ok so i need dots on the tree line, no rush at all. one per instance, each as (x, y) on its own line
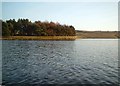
(24, 27)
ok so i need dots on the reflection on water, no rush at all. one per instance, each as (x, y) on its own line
(85, 61)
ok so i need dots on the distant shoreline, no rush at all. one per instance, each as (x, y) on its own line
(39, 38)
(79, 35)
(98, 34)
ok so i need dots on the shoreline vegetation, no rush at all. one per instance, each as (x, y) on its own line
(24, 29)
(79, 35)
(39, 38)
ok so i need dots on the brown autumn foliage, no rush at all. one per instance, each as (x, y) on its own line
(24, 27)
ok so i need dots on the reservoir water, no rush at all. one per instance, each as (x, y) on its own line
(83, 61)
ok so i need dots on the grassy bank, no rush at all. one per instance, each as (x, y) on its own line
(98, 34)
(39, 38)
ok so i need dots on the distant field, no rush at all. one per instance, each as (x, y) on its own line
(98, 34)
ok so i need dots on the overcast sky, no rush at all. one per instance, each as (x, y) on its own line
(82, 15)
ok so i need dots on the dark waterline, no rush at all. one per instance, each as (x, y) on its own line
(84, 61)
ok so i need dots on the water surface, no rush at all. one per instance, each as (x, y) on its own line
(84, 61)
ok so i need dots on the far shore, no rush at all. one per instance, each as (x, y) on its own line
(39, 38)
(98, 34)
(79, 35)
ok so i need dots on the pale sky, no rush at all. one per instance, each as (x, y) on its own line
(82, 15)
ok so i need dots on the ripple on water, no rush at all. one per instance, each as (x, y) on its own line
(68, 62)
